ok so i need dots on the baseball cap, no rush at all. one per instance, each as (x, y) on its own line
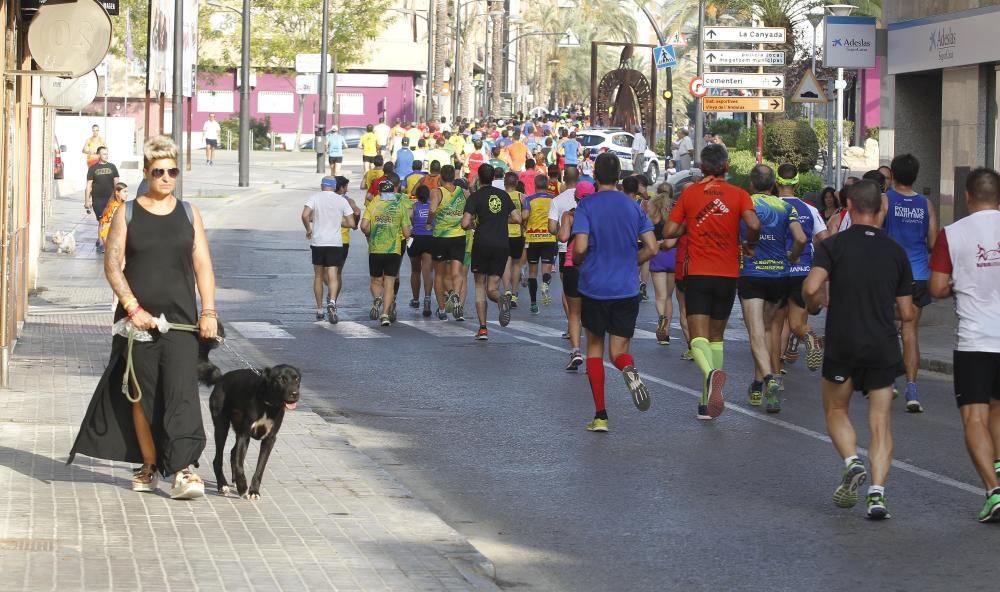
(386, 186)
(328, 183)
(583, 189)
(405, 142)
(333, 128)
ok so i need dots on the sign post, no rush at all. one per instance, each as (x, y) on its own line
(850, 43)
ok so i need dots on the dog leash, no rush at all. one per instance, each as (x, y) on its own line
(236, 354)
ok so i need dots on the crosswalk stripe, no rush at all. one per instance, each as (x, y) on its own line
(532, 329)
(643, 334)
(260, 330)
(352, 330)
(439, 328)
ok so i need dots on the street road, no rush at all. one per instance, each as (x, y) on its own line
(491, 436)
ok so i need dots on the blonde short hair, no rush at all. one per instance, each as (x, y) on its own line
(157, 148)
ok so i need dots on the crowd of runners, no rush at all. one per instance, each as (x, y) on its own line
(521, 203)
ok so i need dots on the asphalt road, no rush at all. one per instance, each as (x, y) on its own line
(491, 436)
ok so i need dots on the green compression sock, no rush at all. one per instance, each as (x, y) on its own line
(701, 351)
(718, 355)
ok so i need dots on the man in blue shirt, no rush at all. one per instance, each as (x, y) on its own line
(607, 228)
(912, 222)
(335, 145)
(571, 151)
(404, 160)
(763, 284)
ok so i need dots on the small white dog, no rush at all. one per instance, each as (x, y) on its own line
(65, 242)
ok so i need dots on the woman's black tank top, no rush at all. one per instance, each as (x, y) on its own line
(658, 229)
(159, 264)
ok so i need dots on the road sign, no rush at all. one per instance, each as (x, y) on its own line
(697, 87)
(743, 104)
(745, 35)
(733, 80)
(809, 90)
(569, 39)
(677, 40)
(309, 63)
(664, 57)
(724, 57)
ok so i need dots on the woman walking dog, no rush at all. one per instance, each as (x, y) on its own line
(161, 241)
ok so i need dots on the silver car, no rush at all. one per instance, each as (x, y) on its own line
(619, 142)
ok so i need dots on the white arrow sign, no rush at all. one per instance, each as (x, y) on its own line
(727, 80)
(745, 35)
(717, 57)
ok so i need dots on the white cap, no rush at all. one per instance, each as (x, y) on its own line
(333, 128)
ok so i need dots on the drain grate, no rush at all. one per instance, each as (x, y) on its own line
(25, 545)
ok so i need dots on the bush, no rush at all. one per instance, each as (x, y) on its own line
(740, 163)
(871, 133)
(819, 127)
(260, 129)
(729, 129)
(791, 141)
(747, 139)
(809, 182)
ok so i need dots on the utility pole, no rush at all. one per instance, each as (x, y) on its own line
(669, 119)
(176, 125)
(244, 180)
(699, 125)
(321, 124)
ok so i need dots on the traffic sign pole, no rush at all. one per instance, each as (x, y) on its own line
(699, 113)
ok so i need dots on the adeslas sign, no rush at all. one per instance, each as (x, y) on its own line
(943, 41)
(850, 42)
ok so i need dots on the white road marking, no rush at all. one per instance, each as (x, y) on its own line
(532, 328)
(259, 330)
(351, 330)
(439, 328)
(937, 478)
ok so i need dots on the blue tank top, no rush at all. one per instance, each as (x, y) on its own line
(770, 258)
(805, 218)
(420, 213)
(907, 220)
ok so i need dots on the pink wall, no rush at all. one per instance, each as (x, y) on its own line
(871, 93)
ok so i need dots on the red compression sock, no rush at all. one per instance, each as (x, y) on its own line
(624, 360)
(595, 374)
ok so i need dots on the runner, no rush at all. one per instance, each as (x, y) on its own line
(431, 180)
(91, 146)
(382, 132)
(210, 133)
(496, 162)
(563, 203)
(571, 275)
(445, 215)
(475, 160)
(515, 239)
(518, 153)
(609, 281)
(663, 265)
(709, 213)
(404, 159)
(386, 221)
(421, 250)
(372, 174)
(868, 272)
(541, 243)
(325, 215)
(490, 210)
(369, 148)
(388, 168)
(763, 285)
(911, 221)
(634, 187)
(974, 280)
(345, 233)
(335, 144)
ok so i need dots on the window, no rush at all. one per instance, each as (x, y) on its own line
(270, 101)
(350, 103)
(623, 140)
(215, 101)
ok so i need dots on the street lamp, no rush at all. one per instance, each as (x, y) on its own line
(244, 146)
(841, 84)
(814, 18)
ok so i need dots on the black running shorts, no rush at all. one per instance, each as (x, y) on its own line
(386, 264)
(420, 245)
(328, 256)
(616, 317)
(921, 296)
(571, 282)
(489, 260)
(544, 252)
(795, 290)
(773, 290)
(710, 295)
(449, 249)
(864, 379)
(977, 377)
(516, 247)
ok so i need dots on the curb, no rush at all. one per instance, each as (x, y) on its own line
(476, 568)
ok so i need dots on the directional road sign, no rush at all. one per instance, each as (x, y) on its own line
(724, 57)
(697, 87)
(665, 57)
(745, 35)
(733, 80)
(754, 104)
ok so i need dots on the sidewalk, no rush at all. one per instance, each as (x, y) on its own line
(330, 518)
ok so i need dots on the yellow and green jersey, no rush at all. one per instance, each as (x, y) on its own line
(515, 230)
(448, 217)
(536, 229)
(387, 219)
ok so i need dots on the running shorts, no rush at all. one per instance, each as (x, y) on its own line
(420, 245)
(571, 282)
(795, 290)
(449, 249)
(664, 262)
(921, 297)
(212, 143)
(328, 256)
(516, 247)
(616, 317)
(773, 290)
(544, 252)
(710, 295)
(562, 261)
(370, 159)
(977, 377)
(335, 159)
(347, 249)
(384, 264)
(864, 379)
(489, 260)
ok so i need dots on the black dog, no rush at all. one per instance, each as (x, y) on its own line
(254, 404)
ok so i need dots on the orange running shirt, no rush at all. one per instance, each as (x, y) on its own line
(712, 210)
(518, 153)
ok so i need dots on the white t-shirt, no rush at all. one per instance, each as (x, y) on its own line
(382, 132)
(562, 203)
(972, 248)
(639, 144)
(328, 211)
(684, 147)
(211, 130)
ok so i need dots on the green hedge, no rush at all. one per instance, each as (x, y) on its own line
(871, 133)
(791, 141)
(808, 182)
(740, 164)
(260, 129)
(729, 129)
(819, 126)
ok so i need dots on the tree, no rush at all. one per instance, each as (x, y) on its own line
(442, 49)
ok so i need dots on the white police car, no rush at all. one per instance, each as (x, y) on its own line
(619, 142)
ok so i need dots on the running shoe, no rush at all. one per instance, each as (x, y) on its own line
(505, 310)
(319, 315)
(996, 467)
(703, 413)
(991, 511)
(814, 352)
(876, 507)
(846, 494)
(780, 379)
(442, 314)
(376, 309)
(715, 383)
(513, 300)
(524, 276)
(546, 297)
(392, 312)
(449, 302)
(482, 334)
(597, 425)
(534, 308)
(755, 393)
(791, 354)
(427, 307)
(912, 404)
(331, 313)
(687, 356)
(415, 303)
(638, 390)
(773, 397)
(385, 321)
(662, 331)
(458, 313)
(565, 335)
(575, 361)
(642, 291)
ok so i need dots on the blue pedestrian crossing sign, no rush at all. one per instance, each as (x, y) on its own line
(664, 57)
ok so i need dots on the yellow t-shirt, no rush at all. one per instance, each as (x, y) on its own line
(414, 134)
(370, 177)
(458, 142)
(537, 228)
(369, 144)
(515, 230)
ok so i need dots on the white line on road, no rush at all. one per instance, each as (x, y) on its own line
(440, 329)
(532, 329)
(943, 480)
(259, 330)
(351, 330)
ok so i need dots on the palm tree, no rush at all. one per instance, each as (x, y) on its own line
(442, 49)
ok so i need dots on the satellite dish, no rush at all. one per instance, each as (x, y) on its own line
(70, 37)
(69, 93)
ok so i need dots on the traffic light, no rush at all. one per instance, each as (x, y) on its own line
(667, 95)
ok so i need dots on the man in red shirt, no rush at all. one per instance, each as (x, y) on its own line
(475, 160)
(709, 213)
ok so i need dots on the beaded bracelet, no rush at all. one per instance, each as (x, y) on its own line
(209, 314)
(134, 311)
(129, 302)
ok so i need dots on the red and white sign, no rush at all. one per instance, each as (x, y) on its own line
(697, 87)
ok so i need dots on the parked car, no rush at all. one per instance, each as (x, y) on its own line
(619, 142)
(57, 158)
(351, 134)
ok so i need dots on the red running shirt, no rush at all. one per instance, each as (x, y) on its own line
(712, 210)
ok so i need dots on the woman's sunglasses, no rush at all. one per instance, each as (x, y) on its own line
(157, 173)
